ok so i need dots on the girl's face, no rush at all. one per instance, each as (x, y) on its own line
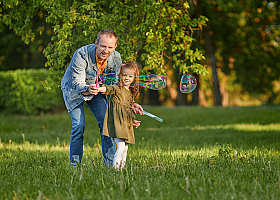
(128, 76)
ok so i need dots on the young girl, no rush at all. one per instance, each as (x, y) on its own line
(120, 119)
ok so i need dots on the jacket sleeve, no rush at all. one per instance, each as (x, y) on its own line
(112, 89)
(78, 64)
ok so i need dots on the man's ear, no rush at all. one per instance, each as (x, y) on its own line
(96, 43)
(116, 46)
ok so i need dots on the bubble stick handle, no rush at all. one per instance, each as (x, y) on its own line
(153, 116)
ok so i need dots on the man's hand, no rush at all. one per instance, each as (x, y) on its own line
(137, 109)
(92, 89)
(136, 123)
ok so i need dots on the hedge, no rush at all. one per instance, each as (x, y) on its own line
(31, 91)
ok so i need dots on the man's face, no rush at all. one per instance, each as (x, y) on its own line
(105, 47)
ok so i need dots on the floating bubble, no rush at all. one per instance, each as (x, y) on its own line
(151, 81)
(109, 79)
(155, 85)
(188, 83)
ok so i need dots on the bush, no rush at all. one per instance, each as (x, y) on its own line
(29, 91)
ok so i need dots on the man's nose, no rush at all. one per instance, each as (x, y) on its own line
(106, 49)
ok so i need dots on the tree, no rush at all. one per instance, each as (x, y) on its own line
(15, 54)
(245, 36)
(158, 30)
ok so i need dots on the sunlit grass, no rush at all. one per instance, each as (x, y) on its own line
(239, 127)
(199, 153)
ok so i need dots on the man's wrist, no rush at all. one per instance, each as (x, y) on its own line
(88, 89)
(87, 92)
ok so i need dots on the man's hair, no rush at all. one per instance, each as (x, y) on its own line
(107, 32)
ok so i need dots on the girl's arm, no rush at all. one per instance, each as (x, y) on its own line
(108, 90)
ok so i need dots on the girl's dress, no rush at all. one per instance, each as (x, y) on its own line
(119, 114)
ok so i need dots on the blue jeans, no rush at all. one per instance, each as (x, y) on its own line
(97, 106)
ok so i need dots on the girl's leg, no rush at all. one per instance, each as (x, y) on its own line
(119, 153)
(124, 156)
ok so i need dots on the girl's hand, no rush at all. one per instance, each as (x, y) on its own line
(102, 89)
(136, 123)
(137, 109)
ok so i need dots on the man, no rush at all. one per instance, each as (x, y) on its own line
(77, 86)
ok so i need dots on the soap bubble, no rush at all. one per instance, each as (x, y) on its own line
(151, 81)
(188, 83)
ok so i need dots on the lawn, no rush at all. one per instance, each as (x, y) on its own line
(195, 153)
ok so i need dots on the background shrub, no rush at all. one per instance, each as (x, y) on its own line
(29, 91)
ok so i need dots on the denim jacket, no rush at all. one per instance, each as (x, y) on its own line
(82, 72)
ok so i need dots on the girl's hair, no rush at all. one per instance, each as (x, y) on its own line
(132, 66)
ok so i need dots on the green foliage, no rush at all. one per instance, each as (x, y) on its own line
(29, 91)
(188, 156)
(170, 39)
(148, 30)
(27, 24)
(15, 54)
(246, 36)
(22, 20)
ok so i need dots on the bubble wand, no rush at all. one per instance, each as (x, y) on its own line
(151, 115)
(96, 85)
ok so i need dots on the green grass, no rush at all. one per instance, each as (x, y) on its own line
(196, 153)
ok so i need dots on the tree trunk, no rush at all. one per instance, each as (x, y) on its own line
(153, 97)
(181, 99)
(201, 99)
(211, 52)
(224, 92)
